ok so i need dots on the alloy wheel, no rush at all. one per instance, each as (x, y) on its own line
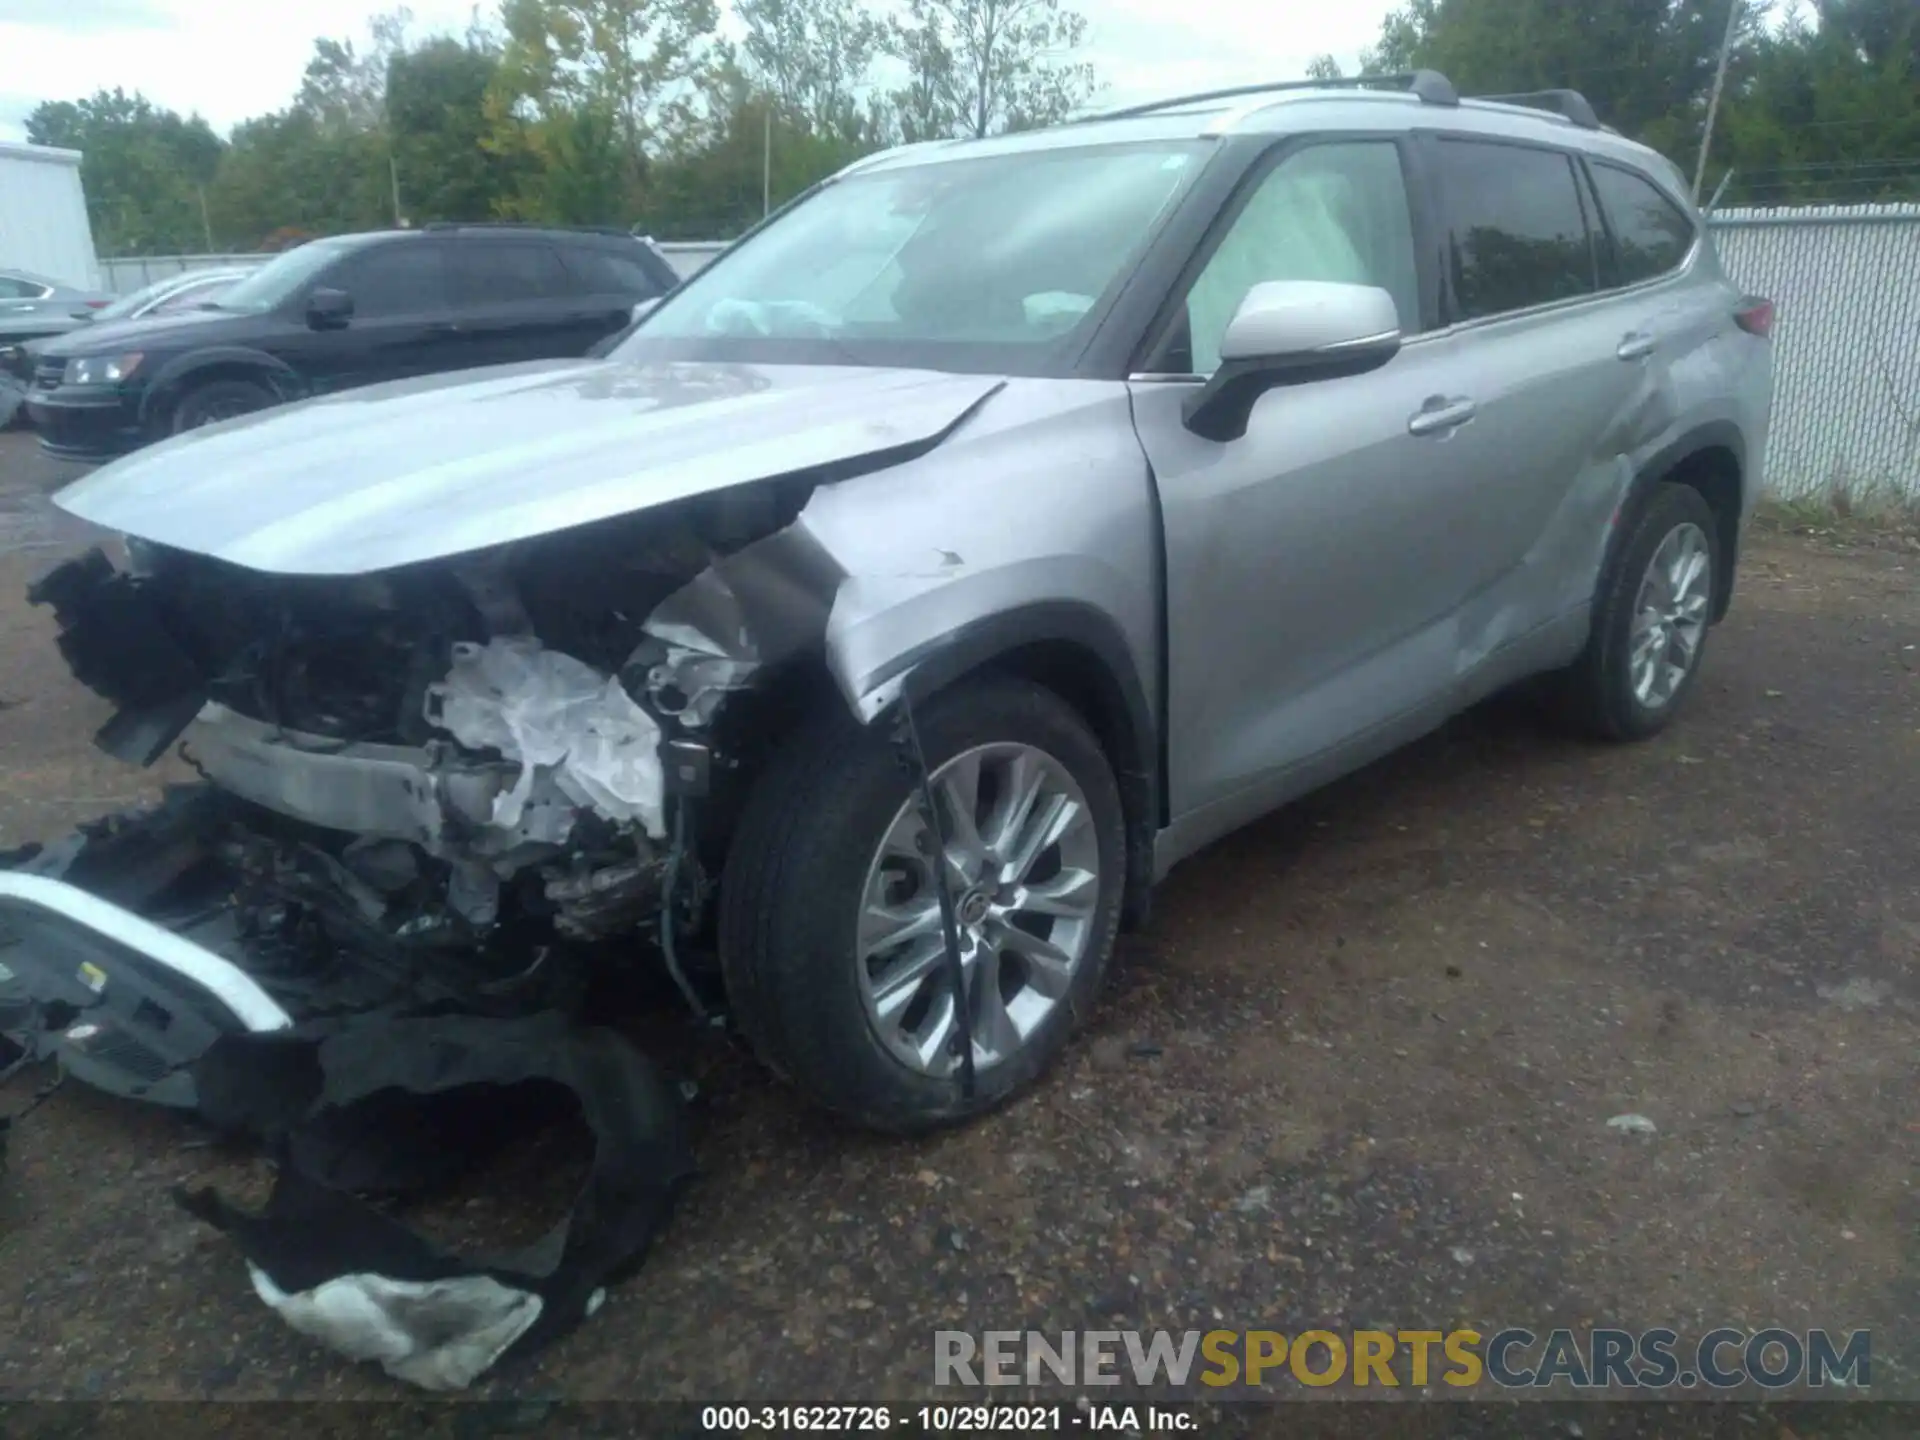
(1670, 615)
(1022, 863)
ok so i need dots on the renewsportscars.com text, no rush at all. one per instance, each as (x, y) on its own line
(1514, 1359)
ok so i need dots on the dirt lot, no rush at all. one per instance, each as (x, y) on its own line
(1358, 1070)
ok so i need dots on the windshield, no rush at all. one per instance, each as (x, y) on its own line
(283, 277)
(994, 262)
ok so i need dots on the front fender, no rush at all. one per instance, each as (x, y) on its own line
(177, 374)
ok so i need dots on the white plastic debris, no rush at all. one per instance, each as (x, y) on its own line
(438, 1334)
(557, 716)
(1632, 1125)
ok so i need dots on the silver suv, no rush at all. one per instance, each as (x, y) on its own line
(985, 533)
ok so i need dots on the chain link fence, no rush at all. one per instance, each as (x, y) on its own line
(1846, 400)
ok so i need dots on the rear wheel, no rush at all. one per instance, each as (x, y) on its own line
(218, 400)
(1651, 615)
(830, 932)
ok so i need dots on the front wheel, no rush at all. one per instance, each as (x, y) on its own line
(1651, 614)
(219, 400)
(830, 935)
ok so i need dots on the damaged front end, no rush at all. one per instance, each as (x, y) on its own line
(443, 811)
(420, 768)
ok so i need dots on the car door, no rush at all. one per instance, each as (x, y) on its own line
(1309, 590)
(1542, 353)
(402, 323)
(517, 301)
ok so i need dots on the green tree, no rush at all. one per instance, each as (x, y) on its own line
(291, 170)
(144, 169)
(1323, 67)
(711, 184)
(814, 58)
(590, 85)
(980, 67)
(1831, 112)
(438, 126)
(1646, 65)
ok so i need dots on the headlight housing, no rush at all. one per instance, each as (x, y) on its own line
(101, 369)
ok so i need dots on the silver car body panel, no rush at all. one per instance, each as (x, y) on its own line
(49, 314)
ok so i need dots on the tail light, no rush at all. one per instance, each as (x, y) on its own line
(1755, 316)
(98, 304)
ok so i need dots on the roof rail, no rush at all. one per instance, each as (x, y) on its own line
(1570, 103)
(444, 225)
(1429, 85)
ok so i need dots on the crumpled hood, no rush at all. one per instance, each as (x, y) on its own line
(415, 470)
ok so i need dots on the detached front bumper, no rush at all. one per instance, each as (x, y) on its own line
(123, 1003)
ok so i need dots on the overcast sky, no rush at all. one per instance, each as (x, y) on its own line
(230, 59)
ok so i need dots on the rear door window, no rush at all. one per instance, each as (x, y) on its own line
(607, 272)
(1651, 234)
(496, 273)
(1518, 234)
(404, 278)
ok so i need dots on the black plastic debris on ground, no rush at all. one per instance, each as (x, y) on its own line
(329, 1098)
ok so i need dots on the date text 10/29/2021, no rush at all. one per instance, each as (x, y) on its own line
(941, 1419)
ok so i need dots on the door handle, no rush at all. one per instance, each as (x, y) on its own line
(1439, 415)
(1637, 346)
(445, 327)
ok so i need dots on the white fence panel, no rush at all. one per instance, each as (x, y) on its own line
(1846, 399)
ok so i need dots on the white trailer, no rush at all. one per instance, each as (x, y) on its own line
(43, 215)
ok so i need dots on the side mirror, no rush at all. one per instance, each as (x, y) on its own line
(643, 309)
(1291, 332)
(329, 309)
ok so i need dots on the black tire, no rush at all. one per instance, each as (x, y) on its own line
(1595, 695)
(217, 400)
(791, 893)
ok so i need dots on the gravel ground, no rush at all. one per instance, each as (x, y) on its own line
(1357, 1071)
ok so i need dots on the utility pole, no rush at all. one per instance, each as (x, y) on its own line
(1713, 100)
(1718, 191)
(393, 178)
(766, 162)
(206, 225)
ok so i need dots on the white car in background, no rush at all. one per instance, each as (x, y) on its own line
(172, 296)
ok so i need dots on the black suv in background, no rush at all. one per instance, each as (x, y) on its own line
(336, 313)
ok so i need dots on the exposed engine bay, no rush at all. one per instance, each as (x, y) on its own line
(443, 810)
(441, 758)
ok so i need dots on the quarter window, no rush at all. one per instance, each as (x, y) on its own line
(605, 273)
(1651, 234)
(1518, 233)
(1329, 212)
